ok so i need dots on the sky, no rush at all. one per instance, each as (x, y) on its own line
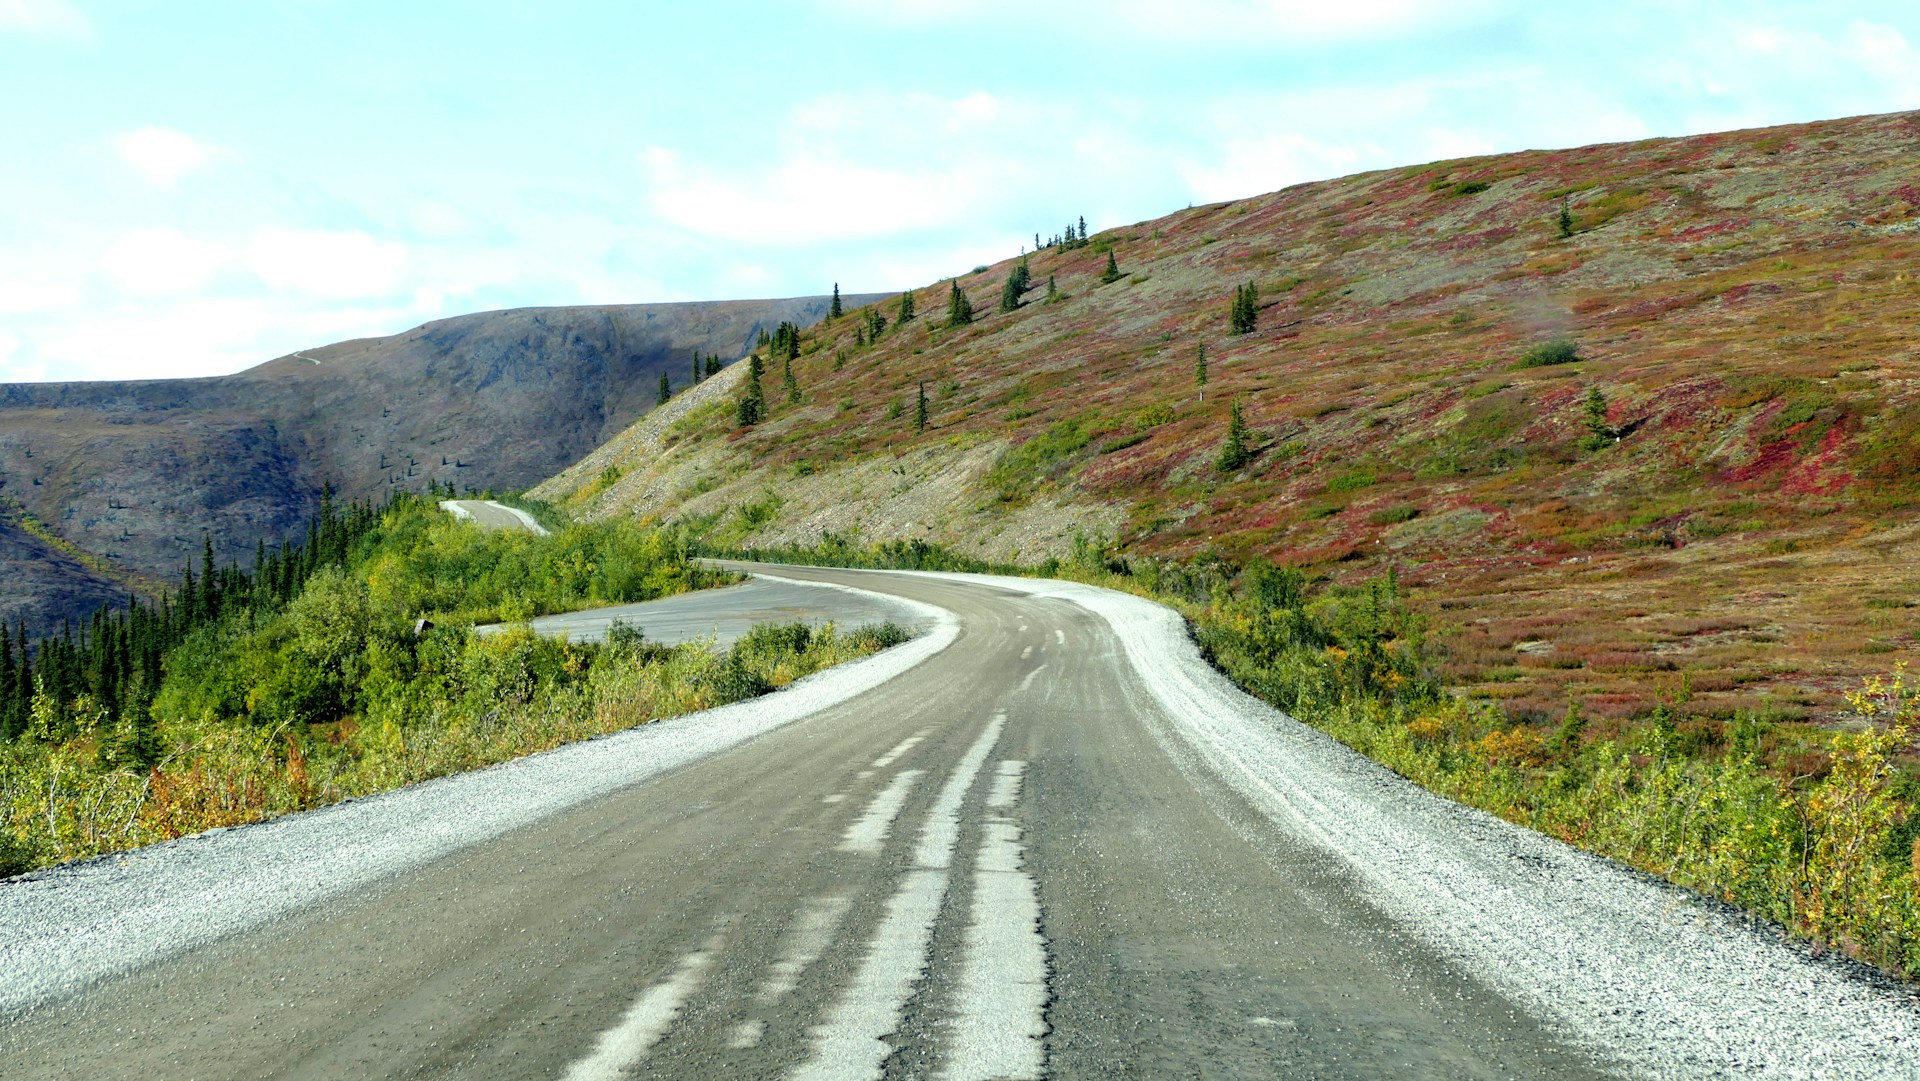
(190, 187)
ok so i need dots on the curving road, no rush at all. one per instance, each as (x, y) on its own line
(491, 515)
(1041, 841)
(725, 614)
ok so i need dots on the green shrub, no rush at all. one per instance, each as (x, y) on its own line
(1557, 351)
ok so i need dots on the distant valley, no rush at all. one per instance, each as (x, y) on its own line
(108, 487)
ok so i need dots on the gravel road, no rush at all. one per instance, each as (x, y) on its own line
(491, 515)
(1044, 839)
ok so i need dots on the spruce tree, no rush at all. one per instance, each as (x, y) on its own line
(1112, 273)
(1234, 452)
(1083, 228)
(920, 410)
(906, 308)
(1053, 291)
(1010, 294)
(751, 409)
(696, 368)
(959, 309)
(833, 309)
(1600, 434)
(1200, 370)
(1244, 315)
(787, 380)
(209, 581)
(1566, 217)
(713, 365)
(666, 389)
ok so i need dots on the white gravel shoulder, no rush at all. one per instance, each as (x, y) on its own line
(1638, 971)
(68, 926)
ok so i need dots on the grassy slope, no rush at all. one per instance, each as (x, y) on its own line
(1743, 300)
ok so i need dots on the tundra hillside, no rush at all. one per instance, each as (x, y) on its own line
(1632, 429)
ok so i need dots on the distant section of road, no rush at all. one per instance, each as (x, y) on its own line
(490, 515)
(726, 614)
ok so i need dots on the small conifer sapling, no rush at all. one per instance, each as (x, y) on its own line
(1234, 452)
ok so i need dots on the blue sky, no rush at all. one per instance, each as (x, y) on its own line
(189, 188)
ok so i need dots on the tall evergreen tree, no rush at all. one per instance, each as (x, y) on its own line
(713, 365)
(751, 409)
(920, 410)
(1566, 217)
(1112, 273)
(833, 309)
(786, 379)
(1244, 315)
(959, 309)
(905, 315)
(1200, 370)
(1083, 228)
(696, 368)
(1234, 452)
(666, 390)
(1600, 434)
(1053, 291)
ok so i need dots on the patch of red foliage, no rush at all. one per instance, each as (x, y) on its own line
(1813, 474)
(1752, 289)
(1482, 239)
(1712, 229)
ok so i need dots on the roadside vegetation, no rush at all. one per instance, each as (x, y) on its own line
(1820, 834)
(249, 694)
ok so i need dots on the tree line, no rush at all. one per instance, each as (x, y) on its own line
(115, 661)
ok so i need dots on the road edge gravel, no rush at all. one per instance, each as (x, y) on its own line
(66, 927)
(1658, 979)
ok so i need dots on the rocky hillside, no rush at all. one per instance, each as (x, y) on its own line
(134, 472)
(1637, 422)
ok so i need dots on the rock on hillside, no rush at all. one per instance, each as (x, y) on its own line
(1740, 509)
(136, 471)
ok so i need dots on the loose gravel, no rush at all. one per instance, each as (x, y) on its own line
(1633, 969)
(69, 926)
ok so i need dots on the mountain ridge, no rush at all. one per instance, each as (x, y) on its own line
(135, 471)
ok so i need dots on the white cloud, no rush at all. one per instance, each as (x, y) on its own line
(203, 337)
(804, 199)
(20, 297)
(44, 18)
(154, 261)
(339, 265)
(838, 176)
(161, 155)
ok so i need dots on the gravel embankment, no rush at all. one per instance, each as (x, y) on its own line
(65, 927)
